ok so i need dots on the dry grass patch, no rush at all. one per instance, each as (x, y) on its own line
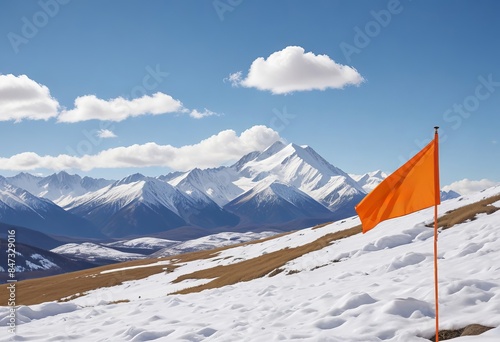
(258, 267)
(470, 330)
(467, 213)
(119, 301)
(321, 225)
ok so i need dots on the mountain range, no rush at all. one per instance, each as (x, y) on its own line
(284, 187)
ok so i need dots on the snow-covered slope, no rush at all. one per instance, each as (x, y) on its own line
(210, 242)
(367, 287)
(92, 252)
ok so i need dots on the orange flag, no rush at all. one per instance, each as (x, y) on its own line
(412, 187)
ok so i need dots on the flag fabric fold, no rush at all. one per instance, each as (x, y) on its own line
(412, 187)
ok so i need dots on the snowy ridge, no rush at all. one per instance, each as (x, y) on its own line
(145, 242)
(91, 251)
(59, 187)
(216, 184)
(124, 192)
(303, 169)
(369, 180)
(367, 287)
(17, 198)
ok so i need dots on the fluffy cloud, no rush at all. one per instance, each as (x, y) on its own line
(466, 186)
(90, 107)
(22, 98)
(200, 115)
(105, 133)
(292, 69)
(223, 147)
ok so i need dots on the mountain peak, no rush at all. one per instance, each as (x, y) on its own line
(370, 180)
(136, 177)
(271, 150)
(378, 174)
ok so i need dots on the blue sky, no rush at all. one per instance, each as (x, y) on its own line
(407, 66)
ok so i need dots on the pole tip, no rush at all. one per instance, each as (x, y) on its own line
(436, 129)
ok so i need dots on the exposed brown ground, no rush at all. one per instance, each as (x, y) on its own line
(470, 330)
(468, 212)
(321, 225)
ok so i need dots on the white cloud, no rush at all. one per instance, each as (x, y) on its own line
(234, 78)
(226, 146)
(466, 186)
(90, 107)
(105, 133)
(200, 115)
(292, 69)
(22, 98)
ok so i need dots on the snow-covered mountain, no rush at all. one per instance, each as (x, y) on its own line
(281, 184)
(217, 183)
(450, 194)
(20, 207)
(59, 187)
(286, 185)
(140, 205)
(293, 166)
(304, 169)
(370, 180)
(275, 203)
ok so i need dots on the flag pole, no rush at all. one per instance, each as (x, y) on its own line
(437, 200)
